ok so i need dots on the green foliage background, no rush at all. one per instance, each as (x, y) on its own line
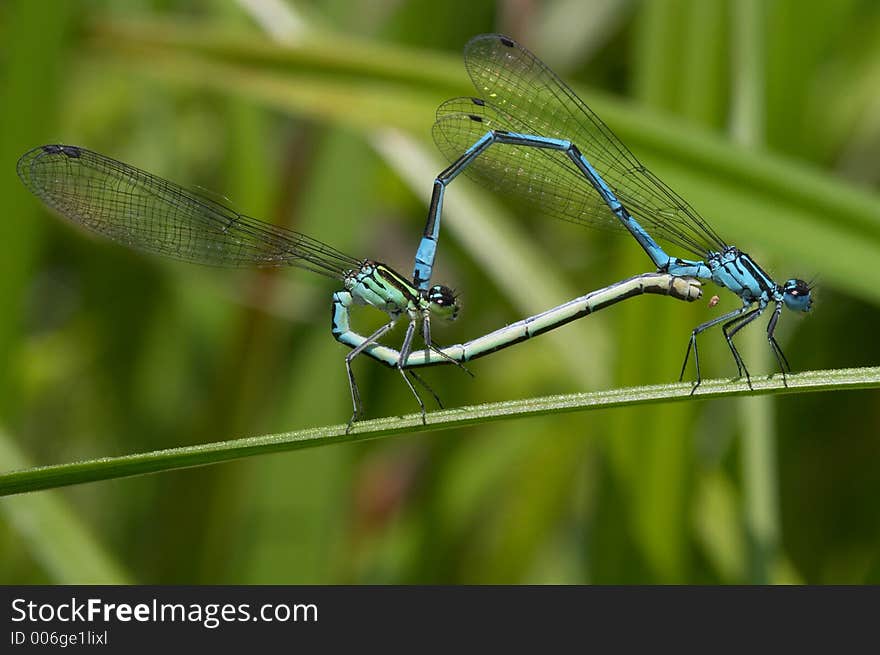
(762, 114)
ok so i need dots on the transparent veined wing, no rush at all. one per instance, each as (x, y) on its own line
(151, 214)
(519, 93)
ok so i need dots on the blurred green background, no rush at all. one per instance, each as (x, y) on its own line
(317, 115)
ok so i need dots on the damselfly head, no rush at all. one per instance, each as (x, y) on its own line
(442, 302)
(796, 294)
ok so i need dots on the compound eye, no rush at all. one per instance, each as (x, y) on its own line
(797, 288)
(442, 296)
(443, 302)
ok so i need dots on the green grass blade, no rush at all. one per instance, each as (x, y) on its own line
(106, 468)
(34, 44)
(57, 538)
(757, 415)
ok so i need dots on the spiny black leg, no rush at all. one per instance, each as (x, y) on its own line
(406, 346)
(696, 364)
(426, 386)
(405, 350)
(432, 346)
(352, 384)
(738, 324)
(781, 359)
(429, 344)
(693, 341)
(692, 344)
(737, 359)
(415, 393)
(357, 410)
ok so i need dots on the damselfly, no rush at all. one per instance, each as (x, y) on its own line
(530, 137)
(148, 213)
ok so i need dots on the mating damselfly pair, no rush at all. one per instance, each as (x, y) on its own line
(527, 135)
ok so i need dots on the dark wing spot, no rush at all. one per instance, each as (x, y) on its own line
(478, 101)
(478, 119)
(505, 41)
(70, 151)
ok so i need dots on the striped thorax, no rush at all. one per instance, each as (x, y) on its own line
(380, 286)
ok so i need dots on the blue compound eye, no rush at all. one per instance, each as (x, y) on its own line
(797, 295)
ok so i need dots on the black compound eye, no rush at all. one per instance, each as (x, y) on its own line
(443, 302)
(442, 296)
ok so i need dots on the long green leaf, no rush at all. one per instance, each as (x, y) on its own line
(106, 468)
(55, 534)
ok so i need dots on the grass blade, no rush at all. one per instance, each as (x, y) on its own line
(106, 468)
(56, 536)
